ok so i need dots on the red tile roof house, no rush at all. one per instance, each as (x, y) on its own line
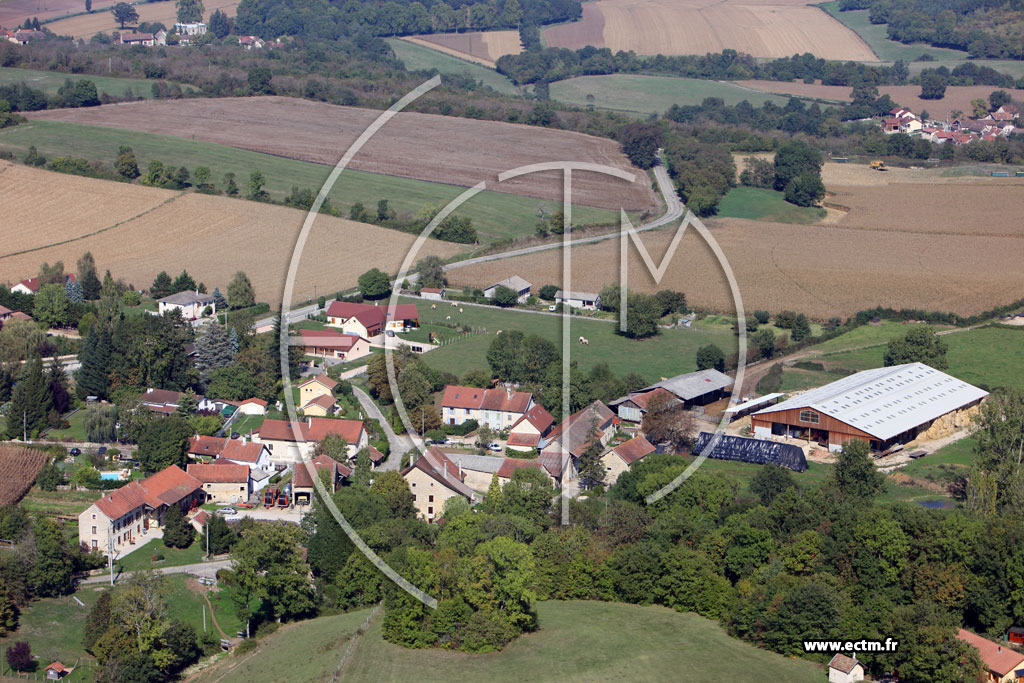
(621, 457)
(369, 321)
(253, 406)
(56, 671)
(303, 485)
(510, 465)
(31, 285)
(122, 517)
(241, 451)
(5, 313)
(568, 441)
(333, 344)
(526, 432)
(223, 482)
(497, 408)
(1001, 664)
(433, 479)
(289, 442)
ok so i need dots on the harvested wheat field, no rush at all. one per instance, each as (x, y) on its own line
(482, 47)
(957, 96)
(821, 270)
(679, 27)
(423, 146)
(211, 236)
(14, 12)
(73, 206)
(88, 25)
(861, 175)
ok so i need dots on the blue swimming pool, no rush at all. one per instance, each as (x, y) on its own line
(110, 476)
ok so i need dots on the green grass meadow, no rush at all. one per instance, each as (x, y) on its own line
(672, 352)
(877, 39)
(758, 204)
(50, 81)
(495, 215)
(643, 95)
(419, 58)
(635, 643)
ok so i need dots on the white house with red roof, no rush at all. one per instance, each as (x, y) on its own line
(843, 669)
(433, 478)
(333, 344)
(31, 285)
(253, 406)
(498, 408)
(223, 481)
(241, 451)
(122, 517)
(620, 458)
(369, 321)
(527, 432)
(288, 441)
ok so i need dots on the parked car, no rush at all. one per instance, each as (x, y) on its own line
(227, 511)
(451, 442)
(235, 435)
(75, 452)
(494, 446)
(553, 308)
(102, 450)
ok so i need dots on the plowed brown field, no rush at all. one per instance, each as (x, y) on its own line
(18, 469)
(483, 47)
(949, 247)
(88, 25)
(210, 236)
(422, 146)
(15, 12)
(775, 28)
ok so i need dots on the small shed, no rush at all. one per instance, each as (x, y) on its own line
(57, 671)
(843, 669)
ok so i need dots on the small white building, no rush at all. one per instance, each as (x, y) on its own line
(843, 669)
(588, 301)
(432, 293)
(191, 304)
(517, 284)
(196, 29)
(253, 406)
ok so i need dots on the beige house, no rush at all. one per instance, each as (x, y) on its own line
(321, 406)
(315, 387)
(569, 440)
(303, 485)
(843, 669)
(1000, 663)
(526, 433)
(253, 406)
(190, 304)
(621, 457)
(333, 344)
(223, 482)
(288, 442)
(496, 408)
(122, 518)
(433, 479)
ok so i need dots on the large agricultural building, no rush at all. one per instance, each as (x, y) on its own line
(884, 406)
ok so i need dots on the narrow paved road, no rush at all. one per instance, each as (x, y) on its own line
(399, 444)
(208, 569)
(674, 210)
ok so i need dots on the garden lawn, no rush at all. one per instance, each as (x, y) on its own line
(495, 215)
(759, 204)
(54, 627)
(186, 604)
(672, 352)
(141, 557)
(420, 58)
(944, 465)
(75, 430)
(247, 424)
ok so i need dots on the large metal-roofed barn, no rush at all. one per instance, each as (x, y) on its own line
(883, 406)
(757, 451)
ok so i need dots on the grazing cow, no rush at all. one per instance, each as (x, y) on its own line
(584, 341)
(448, 318)
(454, 305)
(460, 310)
(433, 307)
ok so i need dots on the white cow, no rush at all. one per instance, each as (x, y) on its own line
(584, 341)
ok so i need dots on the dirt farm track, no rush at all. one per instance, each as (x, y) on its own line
(138, 231)
(769, 28)
(447, 149)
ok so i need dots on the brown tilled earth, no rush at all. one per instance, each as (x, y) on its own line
(88, 25)
(147, 230)
(949, 247)
(484, 46)
(423, 146)
(771, 28)
(14, 12)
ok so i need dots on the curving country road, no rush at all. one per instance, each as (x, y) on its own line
(674, 209)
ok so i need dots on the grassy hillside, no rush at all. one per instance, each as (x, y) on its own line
(991, 356)
(578, 641)
(416, 57)
(672, 352)
(49, 82)
(765, 205)
(495, 215)
(642, 95)
(875, 36)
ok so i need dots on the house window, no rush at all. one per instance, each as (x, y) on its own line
(809, 416)
(95, 545)
(430, 510)
(94, 531)
(430, 498)
(414, 497)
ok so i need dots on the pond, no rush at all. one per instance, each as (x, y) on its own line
(936, 504)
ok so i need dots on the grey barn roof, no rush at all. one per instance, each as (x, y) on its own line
(694, 384)
(187, 297)
(582, 296)
(478, 463)
(757, 451)
(885, 402)
(515, 283)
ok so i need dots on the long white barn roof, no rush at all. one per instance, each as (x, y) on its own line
(886, 402)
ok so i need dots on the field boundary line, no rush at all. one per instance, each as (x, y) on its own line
(95, 232)
(354, 640)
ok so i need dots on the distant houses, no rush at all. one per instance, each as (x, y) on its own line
(31, 285)
(498, 408)
(369, 321)
(290, 442)
(192, 305)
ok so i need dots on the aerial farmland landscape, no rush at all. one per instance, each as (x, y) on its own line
(603, 340)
